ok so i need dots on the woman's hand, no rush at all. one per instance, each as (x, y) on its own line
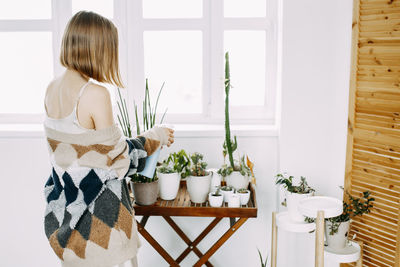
(163, 134)
(171, 138)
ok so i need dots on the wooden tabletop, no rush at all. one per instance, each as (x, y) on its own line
(182, 206)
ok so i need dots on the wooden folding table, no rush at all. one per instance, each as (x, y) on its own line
(182, 206)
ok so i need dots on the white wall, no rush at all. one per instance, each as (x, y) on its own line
(315, 81)
(25, 168)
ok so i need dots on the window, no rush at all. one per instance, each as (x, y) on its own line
(177, 42)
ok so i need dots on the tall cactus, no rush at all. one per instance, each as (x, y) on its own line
(229, 145)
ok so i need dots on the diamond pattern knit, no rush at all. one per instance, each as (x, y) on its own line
(89, 219)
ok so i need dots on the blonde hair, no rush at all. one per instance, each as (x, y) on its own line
(90, 46)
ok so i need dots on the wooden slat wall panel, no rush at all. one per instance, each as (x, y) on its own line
(373, 141)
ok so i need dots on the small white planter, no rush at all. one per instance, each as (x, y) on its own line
(237, 180)
(337, 240)
(198, 188)
(169, 185)
(227, 194)
(234, 201)
(292, 202)
(215, 201)
(244, 197)
(215, 180)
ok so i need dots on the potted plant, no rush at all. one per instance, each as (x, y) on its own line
(237, 174)
(234, 201)
(215, 198)
(244, 196)
(199, 179)
(144, 188)
(337, 228)
(170, 172)
(294, 193)
(227, 191)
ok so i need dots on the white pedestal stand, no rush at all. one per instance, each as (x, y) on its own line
(318, 207)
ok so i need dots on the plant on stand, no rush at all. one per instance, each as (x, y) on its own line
(293, 194)
(198, 179)
(337, 228)
(170, 173)
(237, 174)
(144, 188)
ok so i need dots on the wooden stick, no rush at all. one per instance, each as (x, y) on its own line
(319, 239)
(360, 260)
(220, 242)
(156, 246)
(274, 240)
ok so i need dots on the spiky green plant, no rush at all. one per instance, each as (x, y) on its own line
(198, 166)
(149, 119)
(263, 263)
(229, 145)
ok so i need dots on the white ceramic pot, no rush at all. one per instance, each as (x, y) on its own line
(227, 194)
(337, 240)
(198, 187)
(215, 201)
(292, 202)
(237, 180)
(215, 181)
(169, 185)
(234, 201)
(244, 197)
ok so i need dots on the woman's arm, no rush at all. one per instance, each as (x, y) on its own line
(97, 101)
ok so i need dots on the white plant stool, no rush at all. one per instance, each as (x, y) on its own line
(318, 207)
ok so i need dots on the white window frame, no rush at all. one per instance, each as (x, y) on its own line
(128, 17)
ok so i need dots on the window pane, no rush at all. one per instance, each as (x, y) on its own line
(25, 9)
(248, 8)
(102, 7)
(247, 66)
(172, 8)
(176, 58)
(26, 71)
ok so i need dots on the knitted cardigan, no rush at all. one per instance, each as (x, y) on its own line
(89, 219)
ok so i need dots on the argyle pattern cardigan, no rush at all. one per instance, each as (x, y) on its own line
(89, 220)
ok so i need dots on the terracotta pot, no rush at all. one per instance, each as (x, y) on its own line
(145, 193)
(337, 240)
(237, 180)
(169, 185)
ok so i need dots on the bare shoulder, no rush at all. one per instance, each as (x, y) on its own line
(98, 92)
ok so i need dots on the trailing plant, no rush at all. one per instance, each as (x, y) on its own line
(353, 207)
(197, 166)
(287, 182)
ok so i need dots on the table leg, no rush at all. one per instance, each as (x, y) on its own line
(156, 246)
(191, 245)
(274, 240)
(360, 260)
(319, 239)
(220, 242)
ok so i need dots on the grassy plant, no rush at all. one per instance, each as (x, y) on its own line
(263, 263)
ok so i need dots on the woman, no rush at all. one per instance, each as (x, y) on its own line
(89, 220)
